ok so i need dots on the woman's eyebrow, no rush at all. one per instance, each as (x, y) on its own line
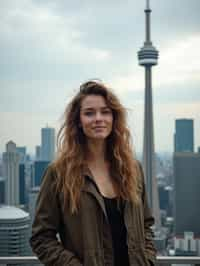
(87, 108)
(105, 107)
(93, 108)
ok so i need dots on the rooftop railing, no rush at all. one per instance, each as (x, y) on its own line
(161, 260)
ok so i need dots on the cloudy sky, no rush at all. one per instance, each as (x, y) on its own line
(48, 48)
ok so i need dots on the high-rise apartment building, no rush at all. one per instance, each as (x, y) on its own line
(184, 135)
(187, 197)
(48, 144)
(11, 160)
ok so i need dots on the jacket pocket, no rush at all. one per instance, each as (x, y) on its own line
(93, 258)
(137, 257)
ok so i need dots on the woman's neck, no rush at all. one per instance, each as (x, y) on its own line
(96, 151)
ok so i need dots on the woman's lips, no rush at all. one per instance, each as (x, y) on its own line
(99, 127)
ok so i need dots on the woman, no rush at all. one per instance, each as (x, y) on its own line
(92, 208)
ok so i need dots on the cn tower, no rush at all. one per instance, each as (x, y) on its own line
(148, 57)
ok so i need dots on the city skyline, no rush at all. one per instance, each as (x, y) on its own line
(49, 48)
(34, 154)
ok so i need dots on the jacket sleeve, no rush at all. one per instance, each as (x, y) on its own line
(46, 225)
(148, 222)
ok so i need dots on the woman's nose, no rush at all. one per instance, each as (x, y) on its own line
(98, 116)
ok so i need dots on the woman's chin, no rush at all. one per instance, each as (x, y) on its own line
(99, 137)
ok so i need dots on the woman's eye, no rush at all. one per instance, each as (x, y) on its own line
(106, 111)
(89, 113)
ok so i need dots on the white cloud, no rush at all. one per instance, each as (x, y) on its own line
(37, 35)
(133, 81)
(179, 110)
(179, 62)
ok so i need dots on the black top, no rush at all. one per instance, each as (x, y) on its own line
(118, 231)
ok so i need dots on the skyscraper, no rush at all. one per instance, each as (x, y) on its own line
(48, 144)
(184, 135)
(187, 198)
(148, 56)
(2, 190)
(22, 184)
(22, 152)
(37, 153)
(11, 160)
(39, 168)
(33, 194)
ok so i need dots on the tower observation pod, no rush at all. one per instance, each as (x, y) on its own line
(148, 55)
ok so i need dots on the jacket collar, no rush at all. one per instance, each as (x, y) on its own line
(91, 187)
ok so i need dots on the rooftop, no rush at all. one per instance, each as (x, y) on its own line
(12, 213)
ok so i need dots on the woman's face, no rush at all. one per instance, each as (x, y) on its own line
(96, 118)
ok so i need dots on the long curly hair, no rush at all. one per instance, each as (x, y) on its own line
(71, 142)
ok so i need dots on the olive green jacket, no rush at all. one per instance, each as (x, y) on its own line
(85, 237)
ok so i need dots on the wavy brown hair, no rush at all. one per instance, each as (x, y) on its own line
(71, 161)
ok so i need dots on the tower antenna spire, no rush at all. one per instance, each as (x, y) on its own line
(147, 23)
(148, 5)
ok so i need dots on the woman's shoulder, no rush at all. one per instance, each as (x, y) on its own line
(140, 175)
(50, 174)
(140, 170)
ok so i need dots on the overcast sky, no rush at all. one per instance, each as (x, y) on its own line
(48, 48)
